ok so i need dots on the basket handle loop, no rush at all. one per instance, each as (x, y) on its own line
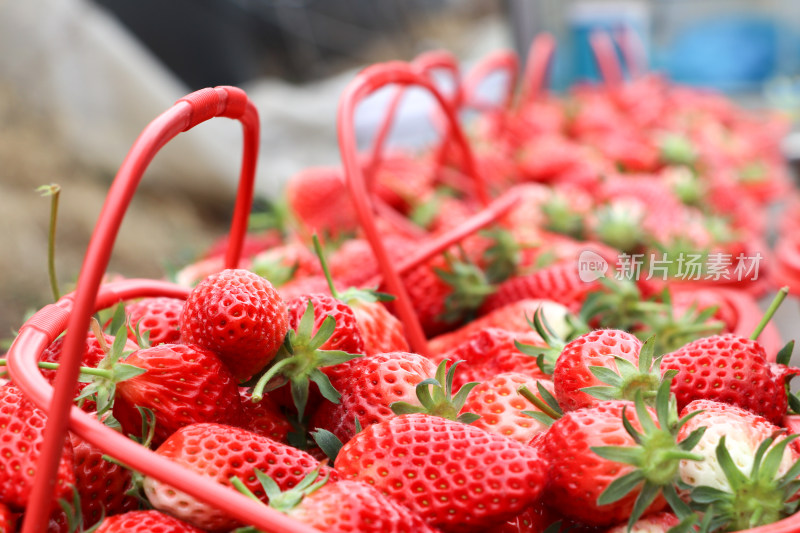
(540, 55)
(185, 114)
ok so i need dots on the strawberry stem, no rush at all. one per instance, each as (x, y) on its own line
(324, 264)
(84, 369)
(542, 406)
(258, 390)
(773, 307)
(52, 191)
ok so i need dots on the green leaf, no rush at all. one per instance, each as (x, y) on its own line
(784, 356)
(461, 396)
(735, 476)
(334, 357)
(326, 388)
(602, 392)
(691, 441)
(405, 408)
(540, 417)
(299, 390)
(124, 372)
(328, 443)
(643, 501)
(324, 333)
(606, 375)
(620, 487)
(631, 455)
(467, 418)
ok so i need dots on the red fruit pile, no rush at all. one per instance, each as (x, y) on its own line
(547, 395)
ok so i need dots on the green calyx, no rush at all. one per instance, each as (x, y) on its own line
(754, 500)
(299, 361)
(547, 406)
(561, 218)
(547, 355)
(436, 397)
(620, 227)
(677, 150)
(502, 257)
(657, 455)
(629, 380)
(283, 501)
(469, 288)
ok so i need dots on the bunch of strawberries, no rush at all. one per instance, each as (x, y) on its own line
(592, 353)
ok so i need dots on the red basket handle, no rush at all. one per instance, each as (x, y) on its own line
(75, 312)
(425, 63)
(367, 82)
(502, 60)
(540, 56)
(633, 52)
(607, 59)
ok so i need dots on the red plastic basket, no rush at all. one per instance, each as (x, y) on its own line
(73, 312)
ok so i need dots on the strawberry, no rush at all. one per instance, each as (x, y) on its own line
(101, 484)
(654, 523)
(319, 200)
(491, 351)
(23, 435)
(283, 264)
(599, 348)
(159, 317)
(381, 331)
(94, 352)
(501, 407)
(731, 369)
(342, 506)
(512, 317)
(345, 337)
(239, 316)
(145, 522)
(457, 477)
(392, 377)
(219, 453)
(182, 384)
(264, 417)
(748, 477)
(607, 465)
(8, 519)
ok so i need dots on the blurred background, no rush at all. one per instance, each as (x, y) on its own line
(79, 79)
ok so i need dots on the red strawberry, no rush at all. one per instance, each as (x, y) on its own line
(345, 506)
(457, 477)
(369, 385)
(319, 200)
(182, 384)
(239, 316)
(501, 407)
(264, 417)
(381, 331)
(491, 351)
(283, 264)
(654, 523)
(221, 452)
(145, 522)
(732, 369)
(578, 476)
(346, 336)
(158, 316)
(598, 348)
(23, 435)
(94, 352)
(101, 484)
(8, 519)
(513, 317)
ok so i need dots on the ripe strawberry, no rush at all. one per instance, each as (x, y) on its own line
(598, 348)
(381, 331)
(159, 317)
(748, 474)
(512, 317)
(264, 417)
(319, 200)
(93, 354)
(369, 385)
(239, 316)
(491, 351)
(182, 384)
(145, 522)
(23, 435)
(8, 519)
(221, 452)
(101, 484)
(559, 282)
(732, 369)
(654, 523)
(455, 476)
(501, 408)
(602, 469)
(345, 337)
(343, 506)
(282, 264)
